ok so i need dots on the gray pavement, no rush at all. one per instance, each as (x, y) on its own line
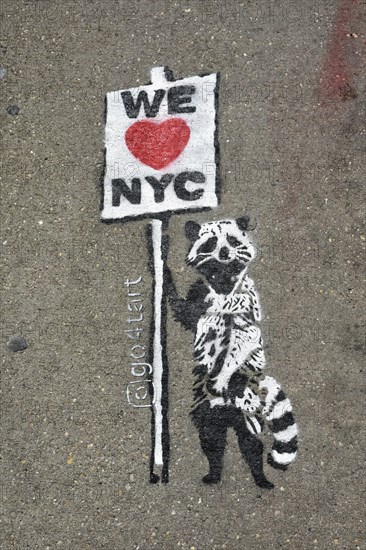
(75, 453)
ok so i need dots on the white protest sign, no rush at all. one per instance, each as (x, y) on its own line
(161, 147)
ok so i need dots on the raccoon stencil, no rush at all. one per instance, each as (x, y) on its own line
(230, 389)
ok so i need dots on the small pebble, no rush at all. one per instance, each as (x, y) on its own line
(2, 73)
(17, 343)
(13, 110)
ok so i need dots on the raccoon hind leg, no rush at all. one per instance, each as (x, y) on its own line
(212, 430)
(251, 449)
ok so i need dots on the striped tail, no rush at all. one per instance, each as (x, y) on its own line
(278, 412)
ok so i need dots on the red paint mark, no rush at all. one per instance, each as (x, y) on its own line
(157, 144)
(336, 82)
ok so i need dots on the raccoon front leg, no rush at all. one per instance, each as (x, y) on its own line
(186, 311)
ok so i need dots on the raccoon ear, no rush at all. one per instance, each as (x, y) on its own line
(243, 222)
(192, 230)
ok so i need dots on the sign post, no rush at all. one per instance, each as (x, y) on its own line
(158, 267)
(161, 152)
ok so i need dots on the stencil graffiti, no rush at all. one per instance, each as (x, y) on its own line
(230, 390)
(138, 390)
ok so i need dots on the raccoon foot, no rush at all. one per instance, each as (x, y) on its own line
(263, 483)
(154, 478)
(211, 479)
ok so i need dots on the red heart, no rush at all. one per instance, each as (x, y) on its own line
(157, 144)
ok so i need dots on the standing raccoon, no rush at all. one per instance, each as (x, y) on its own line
(230, 389)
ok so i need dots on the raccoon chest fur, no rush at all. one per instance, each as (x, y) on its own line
(227, 336)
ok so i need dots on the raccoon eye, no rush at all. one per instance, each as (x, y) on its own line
(233, 241)
(208, 246)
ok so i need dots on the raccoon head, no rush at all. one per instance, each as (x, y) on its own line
(220, 251)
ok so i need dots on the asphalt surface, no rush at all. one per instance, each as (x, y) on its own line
(75, 453)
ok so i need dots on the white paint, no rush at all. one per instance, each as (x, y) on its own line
(158, 77)
(245, 339)
(220, 230)
(272, 387)
(242, 347)
(252, 424)
(249, 403)
(157, 347)
(286, 435)
(280, 409)
(217, 402)
(284, 458)
(198, 155)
